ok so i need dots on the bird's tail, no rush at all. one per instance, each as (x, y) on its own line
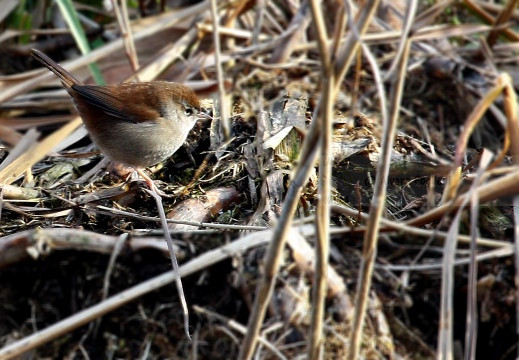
(66, 78)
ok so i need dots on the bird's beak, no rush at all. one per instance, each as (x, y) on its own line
(203, 114)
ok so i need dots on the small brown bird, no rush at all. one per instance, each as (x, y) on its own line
(137, 124)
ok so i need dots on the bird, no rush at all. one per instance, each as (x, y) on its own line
(138, 124)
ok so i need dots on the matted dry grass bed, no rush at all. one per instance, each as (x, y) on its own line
(83, 260)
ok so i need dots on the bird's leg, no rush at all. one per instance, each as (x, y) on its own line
(150, 183)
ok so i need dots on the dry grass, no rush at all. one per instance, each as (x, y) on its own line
(325, 209)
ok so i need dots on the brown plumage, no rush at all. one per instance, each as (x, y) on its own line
(138, 124)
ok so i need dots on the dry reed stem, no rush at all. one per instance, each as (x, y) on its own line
(503, 187)
(224, 107)
(322, 219)
(323, 210)
(508, 33)
(377, 207)
(445, 335)
(468, 128)
(178, 280)
(123, 21)
(471, 332)
(36, 153)
(502, 18)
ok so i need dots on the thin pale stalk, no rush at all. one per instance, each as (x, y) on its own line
(260, 11)
(472, 312)
(409, 20)
(123, 21)
(224, 109)
(445, 348)
(377, 208)
(362, 297)
(174, 261)
(348, 50)
(505, 186)
(322, 35)
(322, 221)
(445, 332)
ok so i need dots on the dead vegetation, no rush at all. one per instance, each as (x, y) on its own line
(395, 138)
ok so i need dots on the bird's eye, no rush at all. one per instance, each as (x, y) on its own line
(188, 111)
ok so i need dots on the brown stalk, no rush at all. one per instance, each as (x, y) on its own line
(508, 33)
(502, 18)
